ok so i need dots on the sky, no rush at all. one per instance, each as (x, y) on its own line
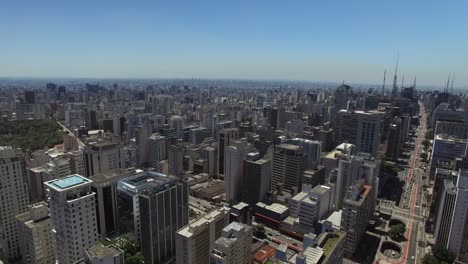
(335, 41)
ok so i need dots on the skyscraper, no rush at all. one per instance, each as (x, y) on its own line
(288, 167)
(163, 210)
(233, 172)
(256, 180)
(103, 154)
(14, 199)
(157, 150)
(35, 235)
(193, 242)
(225, 138)
(356, 214)
(175, 159)
(73, 213)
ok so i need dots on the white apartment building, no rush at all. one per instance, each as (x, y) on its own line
(73, 212)
(234, 245)
(233, 172)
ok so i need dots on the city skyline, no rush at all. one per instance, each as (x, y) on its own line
(347, 42)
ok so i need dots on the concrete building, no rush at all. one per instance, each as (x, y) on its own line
(356, 214)
(311, 205)
(103, 154)
(451, 229)
(77, 164)
(233, 172)
(175, 159)
(234, 245)
(257, 180)
(100, 254)
(446, 148)
(312, 148)
(352, 168)
(14, 193)
(225, 138)
(141, 138)
(359, 128)
(324, 248)
(163, 206)
(73, 213)
(193, 242)
(288, 167)
(157, 150)
(35, 235)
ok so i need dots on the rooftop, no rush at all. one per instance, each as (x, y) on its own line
(329, 240)
(68, 182)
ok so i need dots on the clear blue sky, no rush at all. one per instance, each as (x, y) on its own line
(307, 40)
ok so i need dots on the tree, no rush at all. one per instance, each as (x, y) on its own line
(259, 231)
(442, 254)
(429, 259)
(426, 143)
(397, 230)
(424, 155)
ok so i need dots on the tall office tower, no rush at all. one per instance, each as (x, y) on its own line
(29, 97)
(352, 168)
(105, 187)
(447, 195)
(341, 97)
(451, 229)
(288, 167)
(395, 137)
(446, 149)
(233, 172)
(176, 159)
(103, 154)
(193, 242)
(14, 193)
(77, 164)
(141, 138)
(312, 148)
(209, 154)
(73, 213)
(359, 128)
(176, 123)
(225, 138)
(311, 205)
(163, 210)
(295, 128)
(234, 245)
(91, 120)
(157, 150)
(356, 214)
(35, 235)
(261, 98)
(257, 180)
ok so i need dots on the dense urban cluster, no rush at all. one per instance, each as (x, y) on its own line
(231, 172)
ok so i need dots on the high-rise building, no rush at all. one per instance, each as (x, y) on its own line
(288, 167)
(309, 206)
(73, 213)
(395, 136)
(341, 97)
(256, 181)
(312, 148)
(14, 199)
(451, 229)
(324, 248)
(157, 150)
(35, 235)
(446, 149)
(356, 214)
(105, 187)
(175, 122)
(359, 128)
(193, 242)
(141, 138)
(176, 159)
(163, 210)
(352, 168)
(77, 164)
(103, 154)
(234, 245)
(225, 138)
(233, 172)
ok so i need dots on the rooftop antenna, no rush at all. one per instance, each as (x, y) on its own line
(402, 82)
(447, 85)
(394, 88)
(451, 87)
(383, 86)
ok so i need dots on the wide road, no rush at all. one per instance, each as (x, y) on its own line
(415, 182)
